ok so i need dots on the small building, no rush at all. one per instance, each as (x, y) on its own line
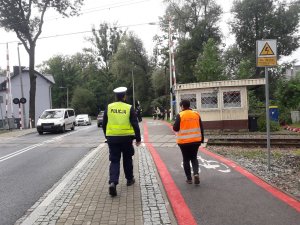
(222, 105)
(43, 99)
(292, 72)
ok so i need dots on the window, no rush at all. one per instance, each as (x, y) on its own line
(232, 99)
(192, 98)
(71, 112)
(209, 100)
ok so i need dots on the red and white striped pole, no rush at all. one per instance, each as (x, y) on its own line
(9, 82)
(7, 85)
(20, 116)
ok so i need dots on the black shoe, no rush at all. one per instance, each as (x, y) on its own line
(112, 190)
(130, 182)
(196, 179)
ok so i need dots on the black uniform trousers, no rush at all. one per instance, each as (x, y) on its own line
(189, 155)
(115, 151)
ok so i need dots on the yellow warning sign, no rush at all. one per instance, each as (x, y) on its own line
(266, 53)
(266, 50)
(263, 62)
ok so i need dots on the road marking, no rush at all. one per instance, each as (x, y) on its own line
(40, 209)
(259, 182)
(211, 164)
(31, 147)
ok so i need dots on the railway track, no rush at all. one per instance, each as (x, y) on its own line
(251, 142)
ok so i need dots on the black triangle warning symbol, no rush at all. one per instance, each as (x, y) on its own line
(266, 50)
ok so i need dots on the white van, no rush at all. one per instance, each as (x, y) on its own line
(56, 120)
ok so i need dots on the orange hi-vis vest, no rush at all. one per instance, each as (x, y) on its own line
(189, 127)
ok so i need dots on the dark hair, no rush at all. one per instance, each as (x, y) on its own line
(120, 96)
(185, 103)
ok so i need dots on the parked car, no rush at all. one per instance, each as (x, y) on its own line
(100, 118)
(56, 120)
(83, 119)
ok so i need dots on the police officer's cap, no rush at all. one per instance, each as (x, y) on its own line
(120, 90)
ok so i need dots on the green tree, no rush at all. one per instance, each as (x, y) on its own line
(68, 72)
(84, 101)
(26, 19)
(232, 57)
(288, 93)
(131, 63)
(104, 44)
(196, 21)
(209, 66)
(269, 19)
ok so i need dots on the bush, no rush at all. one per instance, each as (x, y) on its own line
(262, 125)
(285, 116)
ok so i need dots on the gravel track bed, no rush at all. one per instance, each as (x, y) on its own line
(285, 165)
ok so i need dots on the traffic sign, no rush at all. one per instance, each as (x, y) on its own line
(23, 100)
(266, 53)
(16, 101)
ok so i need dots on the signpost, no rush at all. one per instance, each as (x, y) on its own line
(266, 56)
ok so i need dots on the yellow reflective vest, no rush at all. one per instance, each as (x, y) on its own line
(189, 127)
(118, 124)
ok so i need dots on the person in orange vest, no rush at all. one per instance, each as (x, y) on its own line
(190, 135)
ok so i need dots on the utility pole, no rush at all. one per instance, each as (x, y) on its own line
(23, 114)
(172, 70)
(133, 97)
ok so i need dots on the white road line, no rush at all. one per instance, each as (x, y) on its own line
(6, 157)
(40, 209)
(13, 154)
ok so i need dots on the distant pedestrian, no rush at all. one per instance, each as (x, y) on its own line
(158, 113)
(163, 114)
(190, 135)
(139, 113)
(120, 127)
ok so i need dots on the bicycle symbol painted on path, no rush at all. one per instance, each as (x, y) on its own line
(212, 164)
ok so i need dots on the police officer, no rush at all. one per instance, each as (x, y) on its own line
(190, 135)
(120, 127)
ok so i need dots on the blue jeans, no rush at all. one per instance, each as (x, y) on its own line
(115, 151)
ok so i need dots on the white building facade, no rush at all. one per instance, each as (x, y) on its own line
(43, 99)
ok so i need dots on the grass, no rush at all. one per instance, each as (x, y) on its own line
(297, 152)
(296, 125)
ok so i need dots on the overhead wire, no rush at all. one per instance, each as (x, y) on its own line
(87, 31)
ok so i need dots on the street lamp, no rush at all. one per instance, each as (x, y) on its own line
(22, 90)
(133, 88)
(67, 95)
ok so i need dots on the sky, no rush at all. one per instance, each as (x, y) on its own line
(132, 14)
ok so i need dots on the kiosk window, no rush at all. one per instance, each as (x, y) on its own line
(209, 100)
(192, 98)
(232, 99)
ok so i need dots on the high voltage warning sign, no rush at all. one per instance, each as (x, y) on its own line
(267, 50)
(266, 53)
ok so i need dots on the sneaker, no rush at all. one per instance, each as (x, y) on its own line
(196, 179)
(112, 190)
(130, 182)
(189, 181)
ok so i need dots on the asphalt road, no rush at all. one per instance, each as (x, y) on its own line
(30, 165)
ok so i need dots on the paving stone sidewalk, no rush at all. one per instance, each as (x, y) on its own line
(85, 200)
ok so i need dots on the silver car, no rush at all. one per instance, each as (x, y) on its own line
(83, 119)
